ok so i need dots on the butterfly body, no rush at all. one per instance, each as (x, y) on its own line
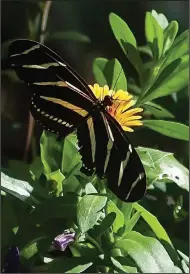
(62, 102)
(108, 101)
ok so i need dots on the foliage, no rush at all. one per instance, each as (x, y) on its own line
(41, 200)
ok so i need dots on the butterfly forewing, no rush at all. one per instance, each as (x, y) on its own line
(54, 117)
(34, 62)
(58, 105)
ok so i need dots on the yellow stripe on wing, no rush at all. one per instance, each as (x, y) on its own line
(65, 104)
(90, 125)
(58, 83)
(45, 65)
(26, 51)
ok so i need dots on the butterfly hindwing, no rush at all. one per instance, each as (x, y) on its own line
(125, 173)
(93, 141)
(106, 151)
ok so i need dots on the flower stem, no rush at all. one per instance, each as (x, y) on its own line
(101, 186)
(95, 243)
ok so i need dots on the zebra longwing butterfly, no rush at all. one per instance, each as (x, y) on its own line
(62, 102)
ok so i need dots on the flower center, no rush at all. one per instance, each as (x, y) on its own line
(118, 104)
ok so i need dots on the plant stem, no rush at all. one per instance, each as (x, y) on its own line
(31, 122)
(95, 243)
(101, 186)
(44, 20)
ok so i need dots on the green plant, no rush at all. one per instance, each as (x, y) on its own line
(41, 200)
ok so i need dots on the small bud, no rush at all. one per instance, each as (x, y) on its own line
(62, 240)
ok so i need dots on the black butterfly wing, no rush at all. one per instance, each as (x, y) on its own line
(125, 173)
(113, 156)
(54, 112)
(35, 62)
(62, 101)
(57, 104)
(93, 139)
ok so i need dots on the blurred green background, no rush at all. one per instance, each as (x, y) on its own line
(79, 31)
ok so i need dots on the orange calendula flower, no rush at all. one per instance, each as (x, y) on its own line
(121, 108)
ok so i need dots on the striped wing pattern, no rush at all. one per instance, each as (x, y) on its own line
(61, 102)
(55, 103)
(106, 150)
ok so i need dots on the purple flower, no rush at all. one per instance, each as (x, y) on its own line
(12, 263)
(62, 240)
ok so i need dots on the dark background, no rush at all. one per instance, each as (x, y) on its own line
(91, 19)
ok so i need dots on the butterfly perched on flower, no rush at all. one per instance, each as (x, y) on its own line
(62, 102)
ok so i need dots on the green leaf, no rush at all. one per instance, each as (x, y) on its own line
(158, 111)
(126, 209)
(132, 222)
(154, 224)
(161, 165)
(121, 31)
(169, 35)
(144, 251)
(172, 79)
(51, 152)
(99, 65)
(145, 49)
(36, 168)
(8, 220)
(179, 48)
(170, 129)
(184, 261)
(160, 18)
(184, 266)
(68, 265)
(59, 207)
(68, 35)
(71, 184)
(121, 267)
(183, 256)
(56, 155)
(29, 251)
(154, 35)
(109, 72)
(119, 220)
(20, 170)
(83, 250)
(88, 211)
(57, 179)
(89, 188)
(28, 234)
(127, 41)
(106, 223)
(70, 155)
(20, 189)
